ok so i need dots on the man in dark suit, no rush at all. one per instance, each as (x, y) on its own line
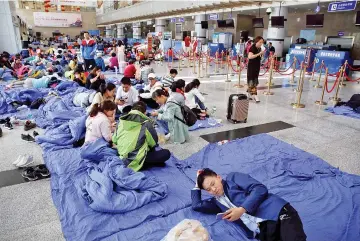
(245, 201)
(271, 49)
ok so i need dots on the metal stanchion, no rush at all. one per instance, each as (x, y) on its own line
(342, 84)
(321, 101)
(302, 72)
(188, 58)
(227, 70)
(269, 82)
(194, 63)
(313, 71)
(222, 59)
(179, 65)
(216, 61)
(172, 59)
(336, 98)
(206, 66)
(199, 63)
(301, 85)
(239, 85)
(318, 81)
(292, 81)
(268, 92)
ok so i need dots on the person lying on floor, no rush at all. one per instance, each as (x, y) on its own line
(106, 92)
(100, 123)
(136, 139)
(43, 82)
(195, 100)
(146, 95)
(95, 79)
(245, 201)
(126, 96)
(171, 111)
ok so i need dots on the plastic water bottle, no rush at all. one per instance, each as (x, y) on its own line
(213, 111)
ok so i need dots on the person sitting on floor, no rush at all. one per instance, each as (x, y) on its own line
(126, 96)
(167, 80)
(247, 202)
(147, 92)
(79, 76)
(171, 111)
(95, 79)
(106, 92)
(100, 123)
(130, 70)
(136, 139)
(113, 62)
(145, 71)
(195, 100)
(100, 62)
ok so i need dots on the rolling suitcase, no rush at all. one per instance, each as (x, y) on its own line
(238, 107)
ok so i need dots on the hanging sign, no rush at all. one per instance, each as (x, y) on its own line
(342, 6)
(213, 16)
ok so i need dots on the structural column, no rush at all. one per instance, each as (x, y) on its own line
(136, 30)
(120, 30)
(108, 31)
(160, 25)
(200, 33)
(277, 35)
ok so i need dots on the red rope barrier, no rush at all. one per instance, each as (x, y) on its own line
(351, 68)
(351, 80)
(326, 83)
(264, 72)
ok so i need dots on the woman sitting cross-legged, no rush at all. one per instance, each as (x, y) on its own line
(194, 99)
(106, 92)
(100, 123)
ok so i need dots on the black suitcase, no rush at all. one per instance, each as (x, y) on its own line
(238, 107)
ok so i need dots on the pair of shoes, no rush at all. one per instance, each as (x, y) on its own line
(35, 133)
(3, 121)
(27, 138)
(7, 123)
(29, 125)
(23, 161)
(33, 173)
(17, 122)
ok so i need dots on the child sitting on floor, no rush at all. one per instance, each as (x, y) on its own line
(113, 62)
(100, 62)
(100, 122)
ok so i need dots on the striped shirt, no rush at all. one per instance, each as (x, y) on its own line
(167, 81)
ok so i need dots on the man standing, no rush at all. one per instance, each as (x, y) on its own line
(88, 48)
(187, 41)
(65, 41)
(271, 49)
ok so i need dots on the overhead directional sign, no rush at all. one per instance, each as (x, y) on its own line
(213, 16)
(173, 20)
(342, 6)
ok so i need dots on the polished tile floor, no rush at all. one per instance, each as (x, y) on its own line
(27, 211)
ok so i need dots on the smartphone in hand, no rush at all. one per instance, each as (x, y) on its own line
(220, 215)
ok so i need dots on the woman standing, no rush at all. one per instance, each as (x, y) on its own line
(253, 70)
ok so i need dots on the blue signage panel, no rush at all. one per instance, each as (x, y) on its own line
(213, 16)
(181, 20)
(342, 6)
(333, 59)
(173, 20)
(341, 33)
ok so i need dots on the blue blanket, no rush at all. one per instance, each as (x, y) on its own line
(327, 200)
(343, 110)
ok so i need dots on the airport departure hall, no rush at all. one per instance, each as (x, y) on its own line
(193, 120)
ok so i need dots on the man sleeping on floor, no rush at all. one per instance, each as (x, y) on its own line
(243, 200)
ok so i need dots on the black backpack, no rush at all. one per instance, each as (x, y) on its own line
(189, 116)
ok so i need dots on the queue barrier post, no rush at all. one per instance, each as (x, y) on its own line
(335, 98)
(300, 87)
(318, 81)
(321, 101)
(268, 92)
(302, 72)
(292, 81)
(342, 84)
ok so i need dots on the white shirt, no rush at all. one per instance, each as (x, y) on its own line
(129, 97)
(97, 127)
(190, 98)
(156, 86)
(65, 40)
(250, 221)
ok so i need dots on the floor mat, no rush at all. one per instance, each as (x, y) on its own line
(343, 110)
(327, 200)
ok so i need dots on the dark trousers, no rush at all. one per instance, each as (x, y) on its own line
(287, 228)
(201, 105)
(89, 64)
(65, 45)
(156, 158)
(150, 103)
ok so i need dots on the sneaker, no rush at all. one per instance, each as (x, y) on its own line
(29, 125)
(256, 98)
(249, 96)
(18, 160)
(17, 122)
(167, 137)
(42, 170)
(3, 121)
(27, 138)
(26, 160)
(8, 125)
(30, 174)
(35, 134)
